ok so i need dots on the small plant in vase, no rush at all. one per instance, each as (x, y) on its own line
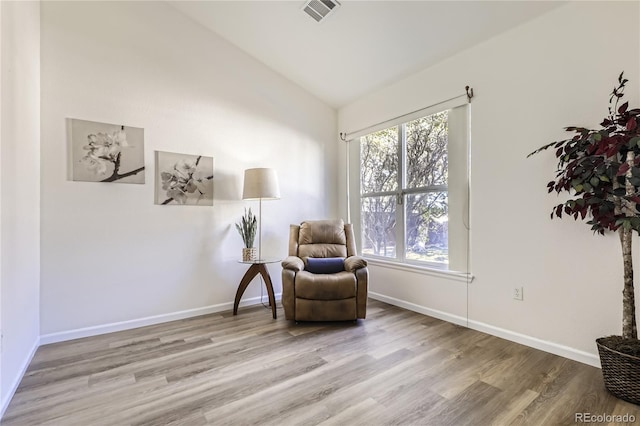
(600, 169)
(247, 228)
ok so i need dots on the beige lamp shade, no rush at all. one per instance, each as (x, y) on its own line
(260, 184)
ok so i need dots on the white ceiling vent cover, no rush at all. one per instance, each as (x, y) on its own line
(320, 9)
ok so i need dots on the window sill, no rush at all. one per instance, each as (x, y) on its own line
(441, 273)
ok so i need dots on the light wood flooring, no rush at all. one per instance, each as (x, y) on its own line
(395, 367)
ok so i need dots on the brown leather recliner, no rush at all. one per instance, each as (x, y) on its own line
(308, 296)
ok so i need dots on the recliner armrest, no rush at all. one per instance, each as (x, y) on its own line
(293, 263)
(353, 263)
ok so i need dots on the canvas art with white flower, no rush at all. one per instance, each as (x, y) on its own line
(103, 152)
(184, 179)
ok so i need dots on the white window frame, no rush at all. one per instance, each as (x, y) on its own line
(460, 266)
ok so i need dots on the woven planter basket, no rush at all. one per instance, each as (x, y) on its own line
(621, 373)
(249, 254)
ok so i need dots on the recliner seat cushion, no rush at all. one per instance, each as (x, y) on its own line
(325, 286)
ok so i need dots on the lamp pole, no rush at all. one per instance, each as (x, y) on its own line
(260, 230)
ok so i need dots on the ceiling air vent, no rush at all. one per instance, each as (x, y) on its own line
(320, 9)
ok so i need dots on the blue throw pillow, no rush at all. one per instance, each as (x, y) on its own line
(325, 265)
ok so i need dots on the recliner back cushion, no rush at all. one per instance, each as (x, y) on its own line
(322, 231)
(322, 238)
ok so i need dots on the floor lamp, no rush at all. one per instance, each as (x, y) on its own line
(260, 184)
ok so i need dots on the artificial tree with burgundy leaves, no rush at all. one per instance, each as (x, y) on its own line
(601, 170)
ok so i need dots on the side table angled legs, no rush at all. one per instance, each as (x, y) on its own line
(252, 272)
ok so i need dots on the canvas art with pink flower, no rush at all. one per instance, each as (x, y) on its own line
(103, 152)
(184, 179)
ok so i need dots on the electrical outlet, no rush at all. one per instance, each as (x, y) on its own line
(517, 293)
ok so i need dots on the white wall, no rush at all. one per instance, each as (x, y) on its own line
(109, 254)
(19, 191)
(529, 83)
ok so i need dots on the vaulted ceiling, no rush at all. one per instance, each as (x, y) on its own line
(362, 45)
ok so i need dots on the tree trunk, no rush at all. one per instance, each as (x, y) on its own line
(629, 329)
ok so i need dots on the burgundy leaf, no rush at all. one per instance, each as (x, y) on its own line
(623, 108)
(631, 124)
(624, 168)
(612, 151)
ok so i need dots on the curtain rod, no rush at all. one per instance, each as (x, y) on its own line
(344, 136)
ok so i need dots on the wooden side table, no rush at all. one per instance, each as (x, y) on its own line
(257, 267)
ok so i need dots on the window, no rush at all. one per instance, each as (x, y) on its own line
(409, 190)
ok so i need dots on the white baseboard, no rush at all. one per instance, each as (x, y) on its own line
(543, 345)
(18, 378)
(534, 342)
(455, 319)
(63, 336)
